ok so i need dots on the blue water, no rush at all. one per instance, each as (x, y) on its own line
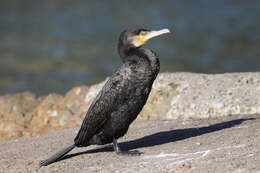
(52, 46)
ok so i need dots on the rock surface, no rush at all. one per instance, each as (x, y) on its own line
(16, 113)
(174, 96)
(226, 144)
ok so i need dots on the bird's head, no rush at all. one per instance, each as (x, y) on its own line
(137, 37)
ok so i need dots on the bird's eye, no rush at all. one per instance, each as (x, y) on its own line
(142, 33)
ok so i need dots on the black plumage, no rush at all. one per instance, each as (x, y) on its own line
(122, 97)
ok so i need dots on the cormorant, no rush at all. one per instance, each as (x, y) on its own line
(122, 97)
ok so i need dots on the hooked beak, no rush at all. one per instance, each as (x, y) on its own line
(152, 34)
(141, 39)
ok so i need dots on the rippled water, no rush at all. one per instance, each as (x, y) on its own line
(52, 46)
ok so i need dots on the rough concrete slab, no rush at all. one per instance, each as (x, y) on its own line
(227, 144)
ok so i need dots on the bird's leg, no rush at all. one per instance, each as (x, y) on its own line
(116, 148)
(129, 153)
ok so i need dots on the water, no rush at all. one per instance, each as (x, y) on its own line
(52, 46)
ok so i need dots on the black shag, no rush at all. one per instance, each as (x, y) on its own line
(122, 97)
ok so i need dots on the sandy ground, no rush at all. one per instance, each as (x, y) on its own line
(230, 144)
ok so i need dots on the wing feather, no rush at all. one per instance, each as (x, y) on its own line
(107, 101)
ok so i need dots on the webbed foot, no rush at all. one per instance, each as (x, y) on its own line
(125, 153)
(129, 153)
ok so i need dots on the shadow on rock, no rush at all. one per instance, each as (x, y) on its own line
(166, 137)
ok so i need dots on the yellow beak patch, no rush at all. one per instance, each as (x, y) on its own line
(142, 39)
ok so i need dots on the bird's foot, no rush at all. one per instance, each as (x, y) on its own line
(125, 153)
(129, 153)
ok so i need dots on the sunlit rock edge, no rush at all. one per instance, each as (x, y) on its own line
(174, 96)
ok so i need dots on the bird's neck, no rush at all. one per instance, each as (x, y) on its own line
(129, 54)
(143, 56)
(135, 54)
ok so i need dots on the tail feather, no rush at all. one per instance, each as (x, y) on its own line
(57, 155)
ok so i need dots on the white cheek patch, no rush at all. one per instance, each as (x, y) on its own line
(136, 41)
